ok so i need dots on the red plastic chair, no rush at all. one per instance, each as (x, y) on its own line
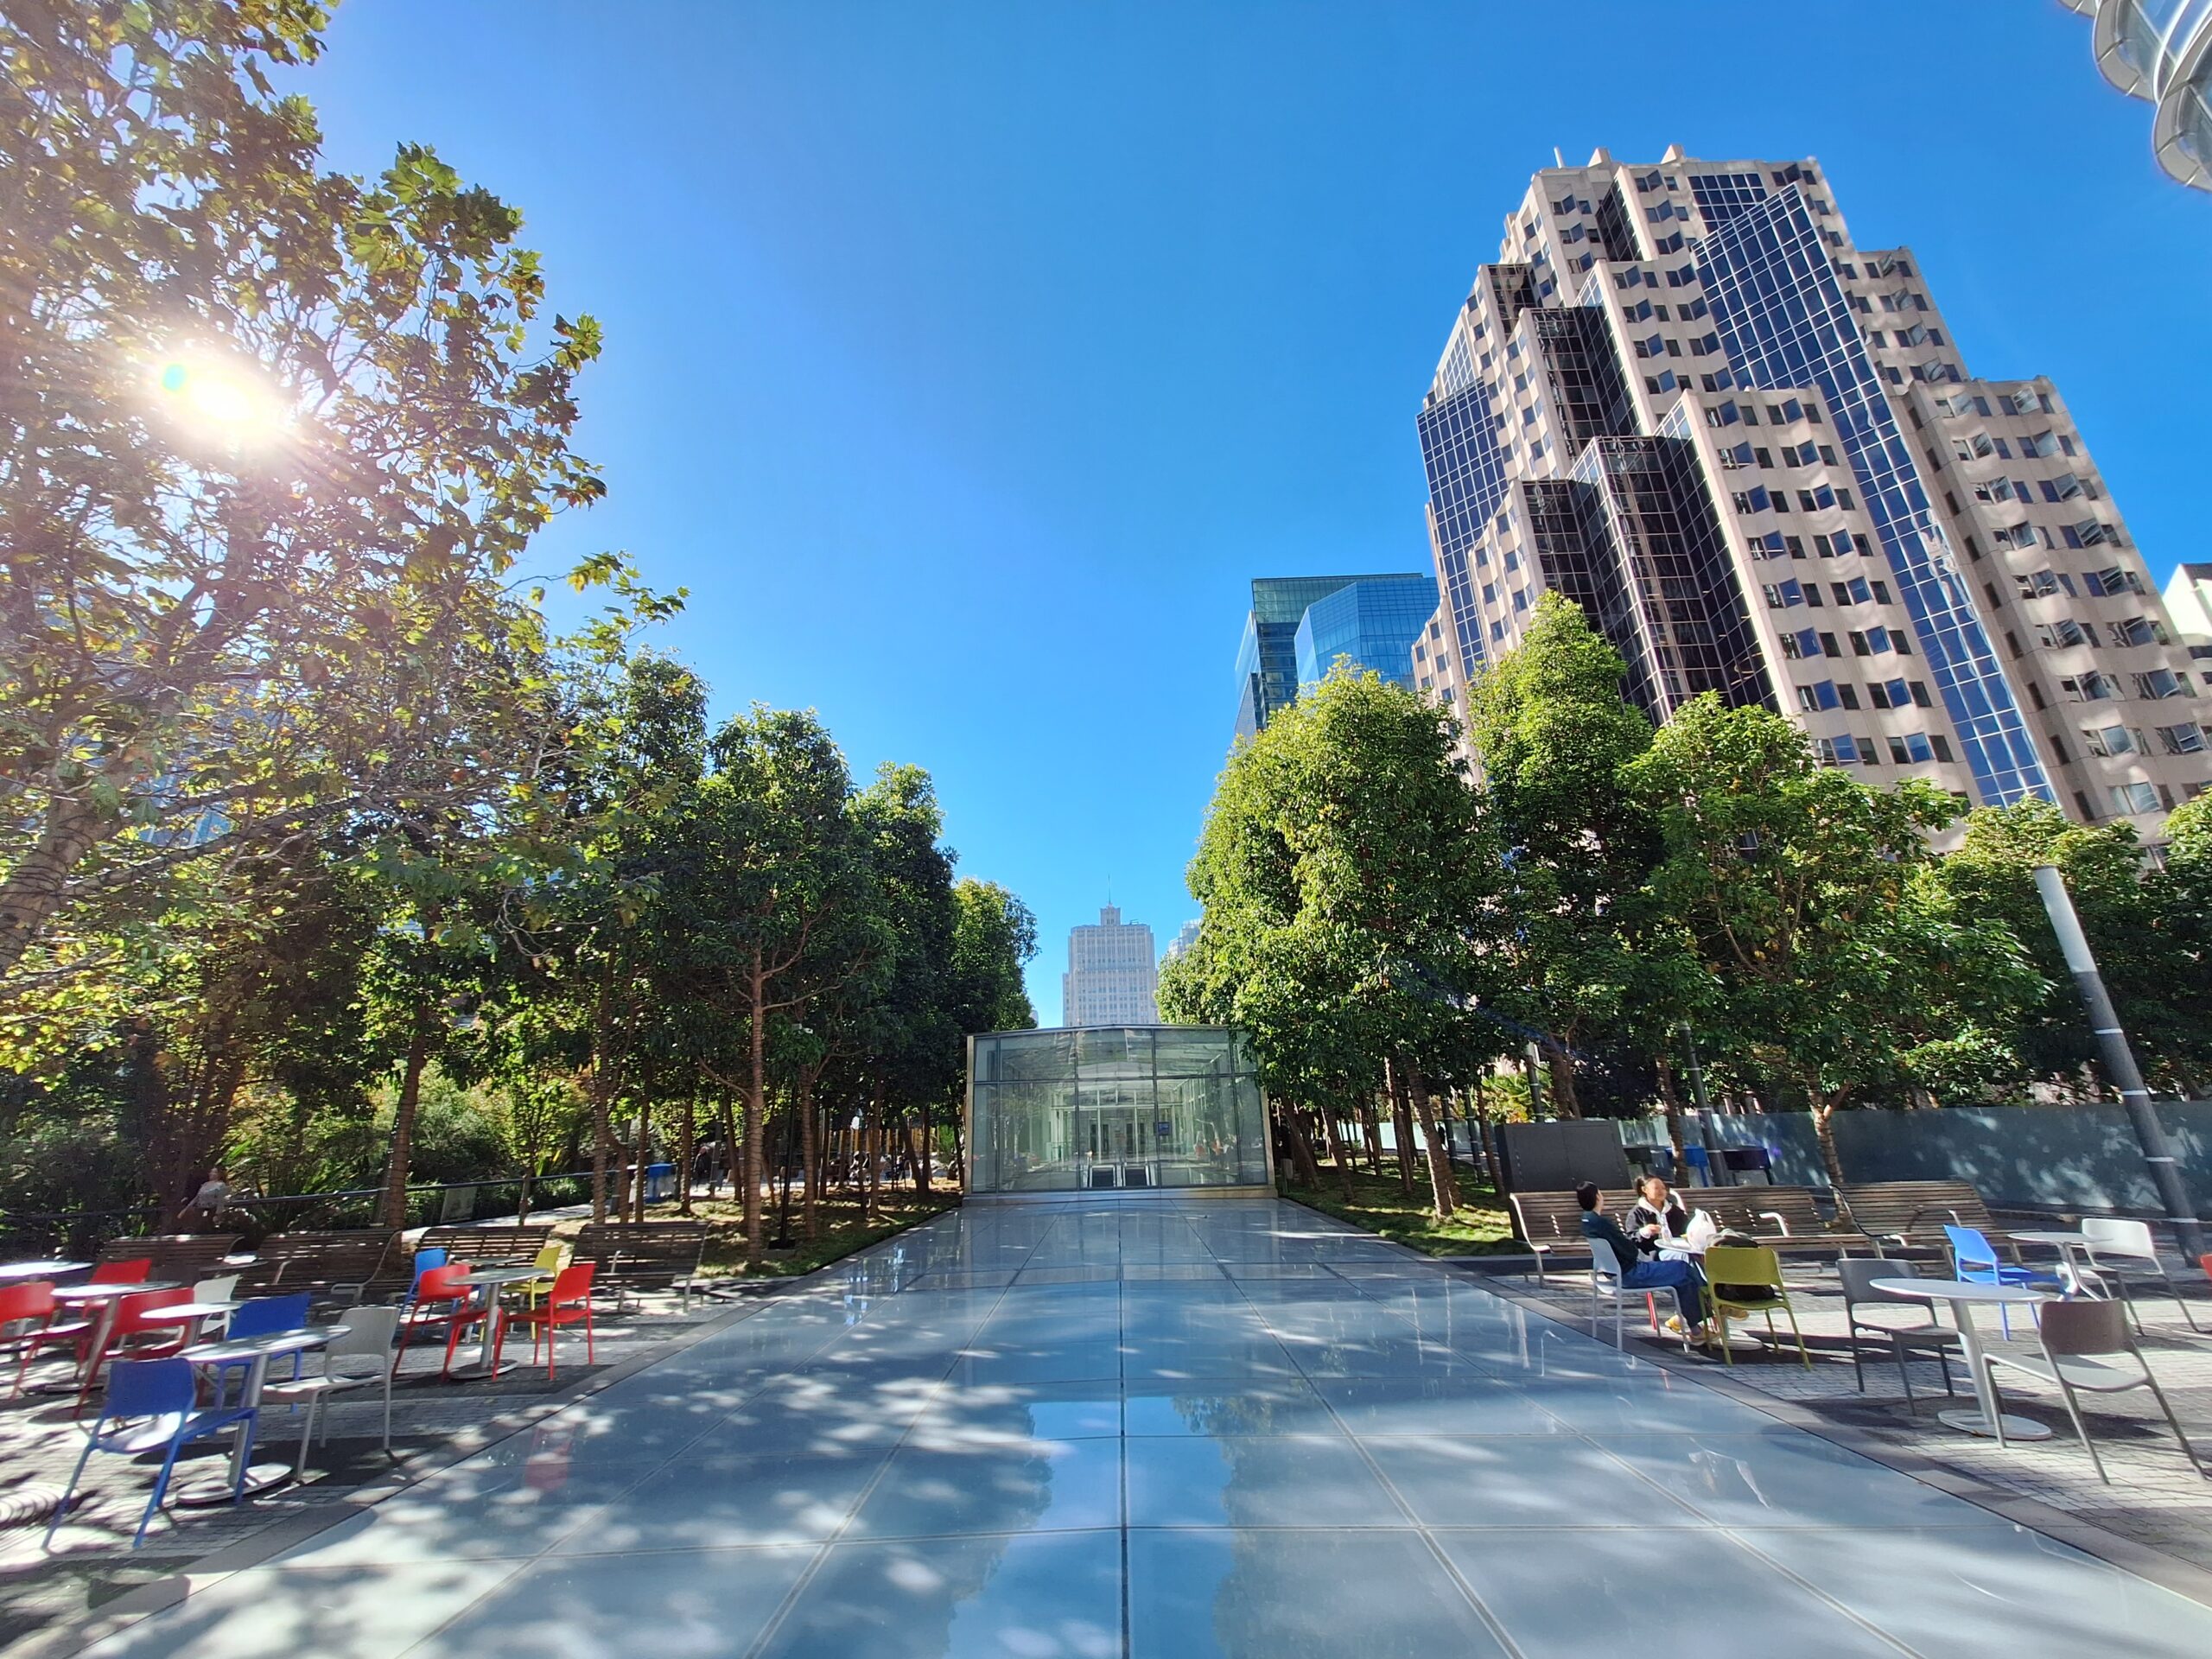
(130, 1321)
(439, 1294)
(136, 1271)
(567, 1303)
(34, 1300)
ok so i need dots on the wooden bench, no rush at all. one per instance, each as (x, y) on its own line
(1911, 1214)
(1551, 1221)
(177, 1258)
(1785, 1219)
(333, 1267)
(630, 1256)
(489, 1247)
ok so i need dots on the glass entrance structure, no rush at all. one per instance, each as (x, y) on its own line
(1119, 1109)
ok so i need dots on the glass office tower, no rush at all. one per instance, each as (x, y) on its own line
(1299, 625)
(1750, 448)
(1150, 1108)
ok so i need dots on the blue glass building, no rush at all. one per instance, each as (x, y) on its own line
(1299, 625)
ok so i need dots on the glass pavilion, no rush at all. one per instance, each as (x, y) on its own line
(1124, 1108)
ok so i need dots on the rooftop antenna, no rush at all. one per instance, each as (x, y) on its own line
(1558, 159)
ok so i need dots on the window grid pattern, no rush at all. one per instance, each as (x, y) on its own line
(1783, 318)
(1467, 481)
(1374, 623)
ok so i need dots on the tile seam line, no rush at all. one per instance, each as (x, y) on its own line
(781, 1613)
(73, 1635)
(1712, 1523)
(2146, 1561)
(1453, 1575)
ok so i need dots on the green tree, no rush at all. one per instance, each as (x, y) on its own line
(2131, 923)
(1343, 874)
(1553, 736)
(1835, 957)
(272, 439)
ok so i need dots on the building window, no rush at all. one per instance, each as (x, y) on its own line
(2134, 798)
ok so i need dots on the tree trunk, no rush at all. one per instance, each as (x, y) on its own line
(810, 1151)
(731, 1147)
(1301, 1148)
(921, 1149)
(602, 1101)
(402, 1116)
(1371, 1133)
(1340, 1153)
(1563, 1073)
(1443, 1189)
(872, 1156)
(756, 1105)
(1482, 1133)
(687, 1151)
(1824, 1131)
(1401, 1123)
(644, 1151)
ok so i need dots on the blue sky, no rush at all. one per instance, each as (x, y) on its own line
(966, 361)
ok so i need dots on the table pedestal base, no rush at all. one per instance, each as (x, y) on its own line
(477, 1372)
(1972, 1422)
(213, 1494)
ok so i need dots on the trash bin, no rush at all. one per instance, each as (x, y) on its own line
(1750, 1164)
(1652, 1161)
(1701, 1163)
(660, 1183)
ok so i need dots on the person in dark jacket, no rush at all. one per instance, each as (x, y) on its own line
(1639, 1272)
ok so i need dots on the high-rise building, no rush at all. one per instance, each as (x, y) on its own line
(1750, 448)
(1299, 625)
(1111, 978)
(1185, 937)
(2160, 51)
(2188, 600)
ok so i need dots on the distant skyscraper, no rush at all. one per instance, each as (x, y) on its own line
(1185, 937)
(1300, 624)
(1748, 447)
(1112, 977)
(2160, 51)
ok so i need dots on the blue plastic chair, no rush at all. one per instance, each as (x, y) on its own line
(151, 1403)
(435, 1257)
(263, 1316)
(1975, 1262)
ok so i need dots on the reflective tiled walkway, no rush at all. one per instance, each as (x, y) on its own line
(1160, 1429)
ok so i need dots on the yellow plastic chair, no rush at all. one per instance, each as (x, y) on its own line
(554, 1257)
(1742, 1265)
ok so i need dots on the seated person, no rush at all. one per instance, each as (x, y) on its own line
(1656, 1216)
(1686, 1279)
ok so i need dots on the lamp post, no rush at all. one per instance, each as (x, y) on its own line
(2119, 1060)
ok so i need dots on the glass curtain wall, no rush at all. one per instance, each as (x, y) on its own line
(1114, 1108)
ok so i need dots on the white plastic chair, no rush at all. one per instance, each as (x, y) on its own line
(218, 1289)
(1606, 1286)
(2079, 1340)
(2109, 1238)
(359, 1356)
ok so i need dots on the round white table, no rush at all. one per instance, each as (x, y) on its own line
(1964, 1295)
(17, 1273)
(254, 1353)
(2075, 1274)
(487, 1283)
(195, 1314)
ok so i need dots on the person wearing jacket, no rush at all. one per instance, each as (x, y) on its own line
(1638, 1271)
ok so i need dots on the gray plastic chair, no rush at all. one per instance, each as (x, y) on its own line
(359, 1356)
(1859, 1273)
(2078, 1339)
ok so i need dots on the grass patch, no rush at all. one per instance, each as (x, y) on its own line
(840, 1232)
(1379, 1204)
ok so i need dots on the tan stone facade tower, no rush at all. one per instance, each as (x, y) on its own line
(1688, 399)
